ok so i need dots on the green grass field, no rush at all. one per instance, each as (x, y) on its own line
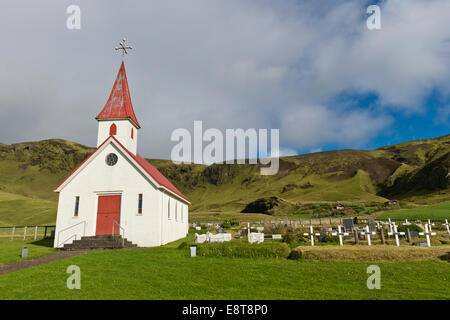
(10, 251)
(438, 211)
(20, 210)
(169, 273)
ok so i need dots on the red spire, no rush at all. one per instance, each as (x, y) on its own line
(119, 103)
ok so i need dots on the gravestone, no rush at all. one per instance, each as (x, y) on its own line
(348, 224)
(372, 225)
(323, 237)
(276, 236)
(414, 234)
(420, 244)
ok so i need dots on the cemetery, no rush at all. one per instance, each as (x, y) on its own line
(352, 231)
(285, 260)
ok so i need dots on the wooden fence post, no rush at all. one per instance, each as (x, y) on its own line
(12, 233)
(35, 232)
(382, 236)
(24, 233)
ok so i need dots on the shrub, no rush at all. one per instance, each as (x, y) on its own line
(296, 254)
(288, 238)
(225, 225)
(244, 250)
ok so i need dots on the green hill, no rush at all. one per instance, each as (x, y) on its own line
(416, 171)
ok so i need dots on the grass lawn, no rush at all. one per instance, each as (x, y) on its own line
(11, 250)
(438, 211)
(169, 273)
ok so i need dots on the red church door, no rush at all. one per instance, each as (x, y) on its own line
(108, 211)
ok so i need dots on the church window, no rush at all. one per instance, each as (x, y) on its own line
(176, 211)
(168, 208)
(140, 204)
(132, 133)
(77, 206)
(113, 130)
(111, 159)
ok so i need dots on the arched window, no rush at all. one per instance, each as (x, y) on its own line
(132, 133)
(113, 130)
(176, 211)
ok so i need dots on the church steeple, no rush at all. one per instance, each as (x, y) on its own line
(119, 104)
(117, 117)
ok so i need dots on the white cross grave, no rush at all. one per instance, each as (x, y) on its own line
(396, 234)
(447, 224)
(312, 234)
(427, 234)
(368, 233)
(406, 223)
(341, 235)
(390, 226)
(430, 224)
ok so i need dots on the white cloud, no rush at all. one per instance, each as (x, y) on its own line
(232, 64)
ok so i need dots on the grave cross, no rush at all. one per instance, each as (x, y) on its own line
(390, 226)
(341, 235)
(368, 233)
(406, 223)
(312, 234)
(427, 234)
(447, 224)
(430, 224)
(396, 234)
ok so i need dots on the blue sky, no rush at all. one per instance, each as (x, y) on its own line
(311, 69)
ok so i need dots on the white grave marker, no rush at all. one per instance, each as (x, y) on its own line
(396, 234)
(430, 224)
(341, 235)
(312, 234)
(447, 224)
(368, 234)
(406, 223)
(427, 234)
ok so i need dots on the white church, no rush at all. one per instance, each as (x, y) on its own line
(117, 192)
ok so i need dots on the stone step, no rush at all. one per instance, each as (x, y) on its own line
(102, 237)
(100, 242)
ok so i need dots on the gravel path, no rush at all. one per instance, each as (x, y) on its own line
(24, 264)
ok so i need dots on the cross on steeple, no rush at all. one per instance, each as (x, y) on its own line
(123, 47)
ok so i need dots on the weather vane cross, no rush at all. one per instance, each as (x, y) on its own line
(123, 47)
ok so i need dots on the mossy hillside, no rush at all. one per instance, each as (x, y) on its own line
(411, 171)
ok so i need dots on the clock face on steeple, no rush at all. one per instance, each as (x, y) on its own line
(111, 159)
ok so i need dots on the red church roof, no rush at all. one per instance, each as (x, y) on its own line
(144, 164)
(152, 171)
(119, 103)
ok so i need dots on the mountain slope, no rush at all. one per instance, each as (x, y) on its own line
(403, 171)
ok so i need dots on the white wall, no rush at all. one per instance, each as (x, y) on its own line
(97, 178)
(124, 127)
(174, 226)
